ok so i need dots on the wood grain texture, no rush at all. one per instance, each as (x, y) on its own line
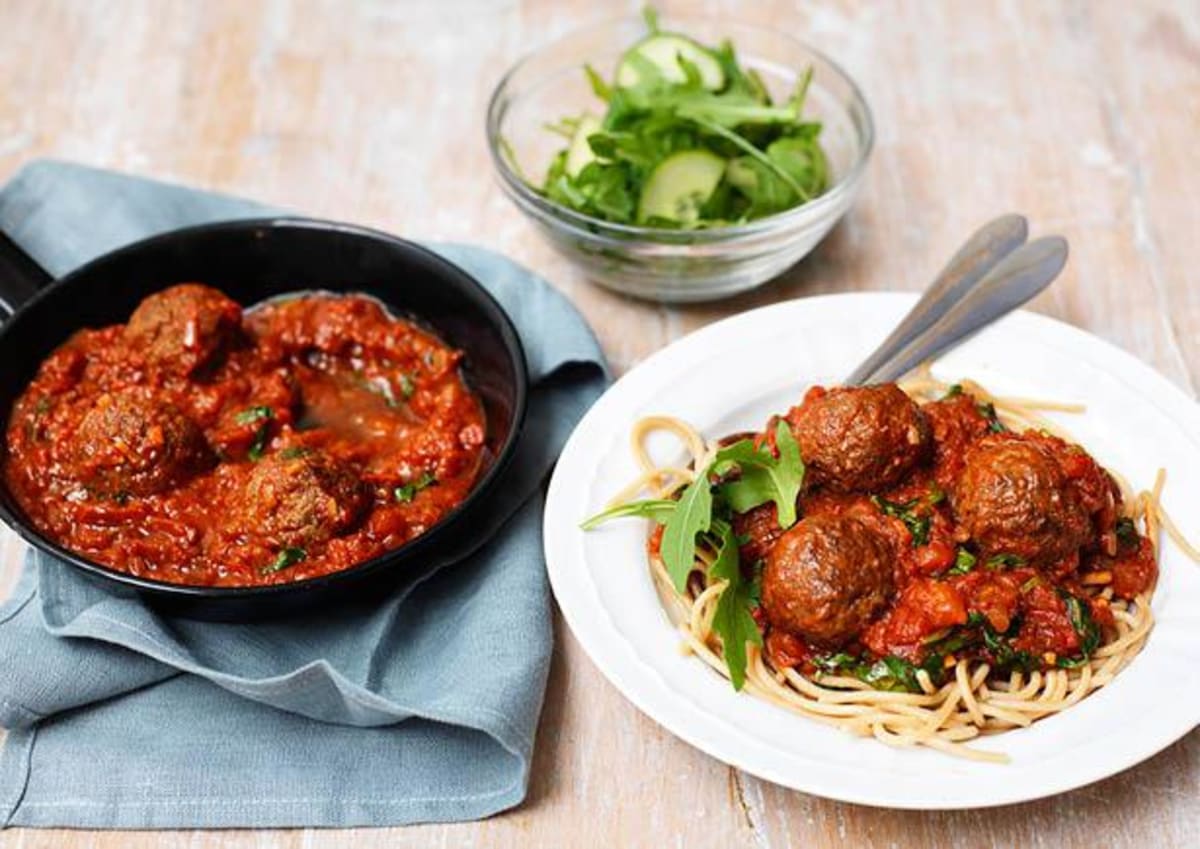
(1082, 115)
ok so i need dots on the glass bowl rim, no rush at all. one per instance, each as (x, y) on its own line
(592, 226)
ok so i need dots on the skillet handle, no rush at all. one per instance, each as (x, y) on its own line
(20, 277)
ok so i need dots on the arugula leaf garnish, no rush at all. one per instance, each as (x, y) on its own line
(763, 476)
(739, 477)
(691, 517)
(658, 509)
(699, 516)
(732, 621)
(787, 473)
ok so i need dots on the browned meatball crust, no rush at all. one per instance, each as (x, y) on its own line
(184, 329)
(130, 443)
(758, 530)
(827, 578)
(1013, 498)
(297, 500)
(859, 439)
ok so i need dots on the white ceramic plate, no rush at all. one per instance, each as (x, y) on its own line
(731, 376)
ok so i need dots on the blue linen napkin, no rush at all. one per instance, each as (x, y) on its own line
(419, 707)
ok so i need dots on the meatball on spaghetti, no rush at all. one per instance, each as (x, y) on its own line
(859, 439)
(1013, 498)
(827, 578)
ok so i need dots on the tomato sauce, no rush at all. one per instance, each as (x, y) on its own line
(957, 589)
(201, 445)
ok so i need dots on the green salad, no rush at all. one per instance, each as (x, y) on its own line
(688, 138)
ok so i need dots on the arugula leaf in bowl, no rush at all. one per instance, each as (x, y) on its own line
(689, 138)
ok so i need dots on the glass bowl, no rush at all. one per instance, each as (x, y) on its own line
(657, 263)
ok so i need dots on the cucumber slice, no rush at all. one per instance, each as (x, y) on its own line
(679, 186)
(662, 50)
(579, 152)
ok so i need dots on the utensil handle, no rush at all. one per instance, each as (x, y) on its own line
(978, 255)
(20, 276)
(1014, 281)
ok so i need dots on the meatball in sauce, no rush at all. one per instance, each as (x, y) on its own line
(296, 499)
(130, 442)
(200, 444)
(185, 328)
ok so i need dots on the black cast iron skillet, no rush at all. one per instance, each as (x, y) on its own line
(251, 261)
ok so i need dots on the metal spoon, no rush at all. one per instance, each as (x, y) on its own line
(1016, 279)
(978, 255)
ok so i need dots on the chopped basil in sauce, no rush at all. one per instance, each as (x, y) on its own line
(286, 558)
(964, 562)
(918, 525)
(409, 490)
(257, 414)
(1004, 561)
(253, 414)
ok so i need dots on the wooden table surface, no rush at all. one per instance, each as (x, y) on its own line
(1084, 116)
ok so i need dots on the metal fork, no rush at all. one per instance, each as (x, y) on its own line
(991, 275)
